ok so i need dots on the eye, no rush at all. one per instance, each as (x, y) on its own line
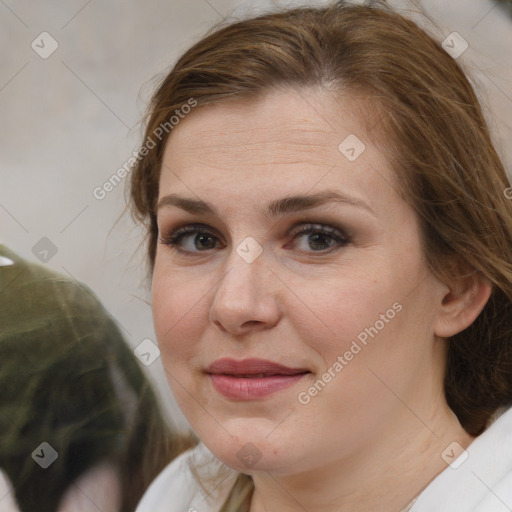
(195, 238)
(320, 238)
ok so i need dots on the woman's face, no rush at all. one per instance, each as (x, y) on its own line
(296, 326)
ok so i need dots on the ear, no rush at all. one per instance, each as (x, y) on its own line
(462, 303)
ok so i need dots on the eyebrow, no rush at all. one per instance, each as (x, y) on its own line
(278, 207)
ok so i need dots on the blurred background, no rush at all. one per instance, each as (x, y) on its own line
(75, 78)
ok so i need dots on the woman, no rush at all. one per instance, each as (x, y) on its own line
(329, 243)
(81, 429)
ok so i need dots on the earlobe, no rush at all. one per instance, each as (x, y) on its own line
(461, 305)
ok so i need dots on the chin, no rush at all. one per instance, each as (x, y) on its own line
(247, 447)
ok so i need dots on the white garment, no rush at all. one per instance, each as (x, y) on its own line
(482, 483)
(175, 489)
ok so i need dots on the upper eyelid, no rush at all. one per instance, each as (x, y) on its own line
(199, 226)
(299, 227)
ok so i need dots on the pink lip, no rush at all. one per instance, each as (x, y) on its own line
(250, 379)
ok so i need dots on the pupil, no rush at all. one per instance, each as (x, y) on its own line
(313, 239)
(201, 239)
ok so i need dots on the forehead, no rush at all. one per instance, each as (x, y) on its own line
(299, 118)
(297, 139)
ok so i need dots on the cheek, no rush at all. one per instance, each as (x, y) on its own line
(344, 309)
(179, 309)
(372, 320)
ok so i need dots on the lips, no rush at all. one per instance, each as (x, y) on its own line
(251, 368)
(251, 379)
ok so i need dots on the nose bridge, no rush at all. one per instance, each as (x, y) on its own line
(242, 279)
(243, 293)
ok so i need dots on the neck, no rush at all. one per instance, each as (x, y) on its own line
(405, 457)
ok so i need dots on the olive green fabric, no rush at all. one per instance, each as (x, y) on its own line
(58, 353)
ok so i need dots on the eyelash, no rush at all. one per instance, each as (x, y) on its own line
(173, 239)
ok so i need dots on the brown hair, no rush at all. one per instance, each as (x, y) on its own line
(435, 135)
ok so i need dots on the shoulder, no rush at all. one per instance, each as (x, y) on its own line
(479, 479)
(176, 488)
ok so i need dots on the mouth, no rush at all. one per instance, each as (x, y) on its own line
(252, 379)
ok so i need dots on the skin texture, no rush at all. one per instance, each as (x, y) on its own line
(382, 422)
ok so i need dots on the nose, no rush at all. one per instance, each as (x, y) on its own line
(246, 297)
